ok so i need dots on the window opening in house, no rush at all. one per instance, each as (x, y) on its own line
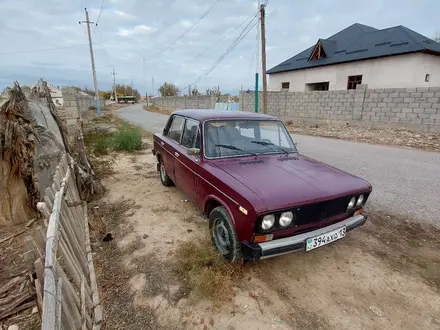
(353, 81)
(319, 86)
(427, 76)
(285, 85)
(318, 52)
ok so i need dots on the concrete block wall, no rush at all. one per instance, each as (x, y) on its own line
(186, 102)
(70, 105)
(411, 108)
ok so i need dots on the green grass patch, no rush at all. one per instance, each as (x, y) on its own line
(101, 142)
(205, 272)
(128, 139)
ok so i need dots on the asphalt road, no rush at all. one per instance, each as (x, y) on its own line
(406, 182)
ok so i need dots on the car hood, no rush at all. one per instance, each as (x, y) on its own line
(283, 182)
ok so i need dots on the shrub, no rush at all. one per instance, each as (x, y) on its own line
(128, 139)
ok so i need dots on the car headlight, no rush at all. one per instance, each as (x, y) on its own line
(360, 200)
(286, 219)
(268, 221)
(351, 203)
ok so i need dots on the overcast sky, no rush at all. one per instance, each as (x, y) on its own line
(131, 29)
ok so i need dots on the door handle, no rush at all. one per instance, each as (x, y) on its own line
(176, 154)
(161, 143)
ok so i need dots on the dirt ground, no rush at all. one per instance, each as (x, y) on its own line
(373, 135)
(384, 276)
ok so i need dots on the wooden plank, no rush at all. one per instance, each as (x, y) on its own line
(66, 318)
(13, 282)
(39, 270)
(93, 284)
(13, 235)
(71, 266)
(44, 210)
(73, 242)
(39, 292)
(76, 211)
(47, 199)
(58, 179)
(71, 296)
(49, 298)
(30, 255)
(83, 304)
(73, 224)
(40, 239)
(59, 302)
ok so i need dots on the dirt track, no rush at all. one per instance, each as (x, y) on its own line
(383, 276)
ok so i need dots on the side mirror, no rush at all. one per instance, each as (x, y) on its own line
(193, 151)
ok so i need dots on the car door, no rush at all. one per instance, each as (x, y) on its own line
(172, 139)
(185, 166)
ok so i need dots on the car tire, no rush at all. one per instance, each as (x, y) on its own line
(223, 235)
(164, 178)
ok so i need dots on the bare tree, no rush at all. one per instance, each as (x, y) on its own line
(168, 89)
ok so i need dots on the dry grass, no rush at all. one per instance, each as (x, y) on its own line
(163, 208)
(206, 273)
(102, 166)
(113, 277)
(153, 108)
(373, 135)
(407, 246)
(104, 217)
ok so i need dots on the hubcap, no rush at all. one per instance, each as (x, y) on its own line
(163, 174)
(221, 237)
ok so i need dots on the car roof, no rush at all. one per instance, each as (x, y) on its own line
(212, 114)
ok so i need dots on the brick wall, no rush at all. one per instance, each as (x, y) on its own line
(186, 102)
(411, 108)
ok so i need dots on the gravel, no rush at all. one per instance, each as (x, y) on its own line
(406, 182)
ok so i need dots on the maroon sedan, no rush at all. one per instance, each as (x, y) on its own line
(262, 197)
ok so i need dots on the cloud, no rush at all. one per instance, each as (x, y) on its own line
(150, 26)
(138, 29)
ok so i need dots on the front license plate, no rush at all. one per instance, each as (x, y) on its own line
(324, 239)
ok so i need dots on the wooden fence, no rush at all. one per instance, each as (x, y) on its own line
(60, 255)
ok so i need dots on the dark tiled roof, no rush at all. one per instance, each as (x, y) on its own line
(359, 42)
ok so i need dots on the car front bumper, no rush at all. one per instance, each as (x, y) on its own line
(258, 251)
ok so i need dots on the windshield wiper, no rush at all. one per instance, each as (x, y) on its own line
(270, 144)
(231, 147)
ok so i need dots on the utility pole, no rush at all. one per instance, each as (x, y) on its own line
(131, 85)
(189, 90)
(258, 58)
(263, 51)
(92, 59)
(152, 85)
(114, 74)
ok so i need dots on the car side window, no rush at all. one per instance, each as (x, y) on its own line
(191, 134)
(176, 128)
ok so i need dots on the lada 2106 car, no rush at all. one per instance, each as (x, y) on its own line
(262, 197)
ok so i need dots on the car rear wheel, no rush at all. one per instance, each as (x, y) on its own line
(164, 178)
(223, 235)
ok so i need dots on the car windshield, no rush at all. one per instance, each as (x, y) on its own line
(233, 137)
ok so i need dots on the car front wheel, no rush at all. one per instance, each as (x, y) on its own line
(164, 178)
(223, 234)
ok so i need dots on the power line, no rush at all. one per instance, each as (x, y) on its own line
(234, 44)
(221, 38)
(101, 43)
(81, 9)
(184, 33)
(42, 50)
(103, 3)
